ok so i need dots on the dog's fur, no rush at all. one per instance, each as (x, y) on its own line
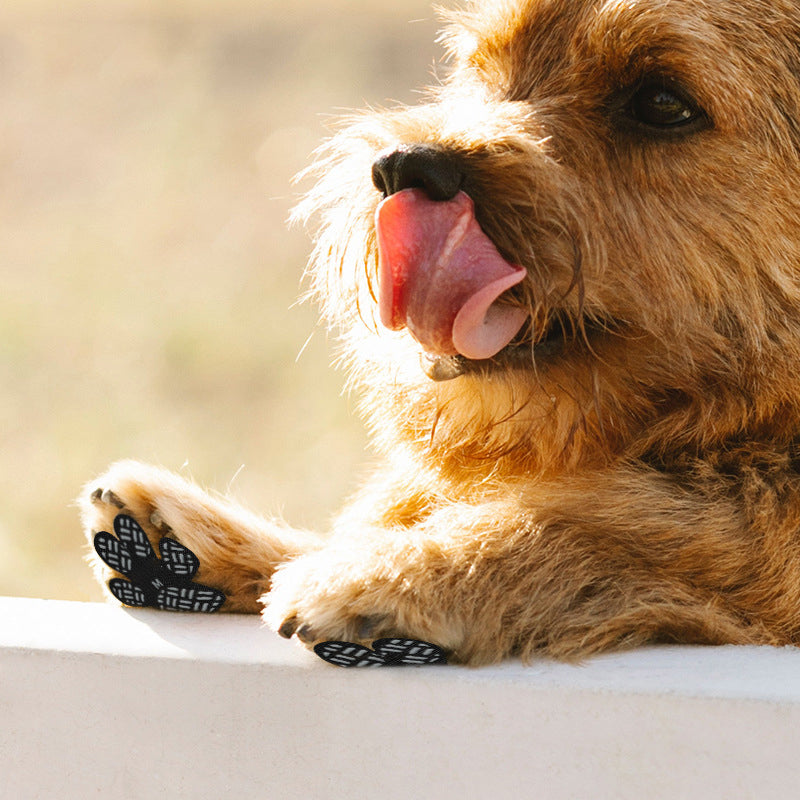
(639, 480)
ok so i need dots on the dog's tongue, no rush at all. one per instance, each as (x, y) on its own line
(439, 276)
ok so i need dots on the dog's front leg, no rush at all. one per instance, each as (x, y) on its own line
(611, 560)
(462, 578)
(237, 551)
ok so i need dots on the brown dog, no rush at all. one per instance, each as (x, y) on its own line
(587, 249)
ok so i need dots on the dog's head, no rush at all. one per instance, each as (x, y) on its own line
(585, 244)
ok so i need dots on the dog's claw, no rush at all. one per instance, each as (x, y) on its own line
(109, 498)
(157, 521)
(367, 627)
(288, 628)
(306, 634)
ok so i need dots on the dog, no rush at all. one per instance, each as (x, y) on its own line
(568, 288)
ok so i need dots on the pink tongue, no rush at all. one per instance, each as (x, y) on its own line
(439, 276)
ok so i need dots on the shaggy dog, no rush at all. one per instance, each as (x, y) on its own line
(569, 291)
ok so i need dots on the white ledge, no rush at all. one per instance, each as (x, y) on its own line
(100, 701)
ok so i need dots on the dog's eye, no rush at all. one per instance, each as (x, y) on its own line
(659, 106)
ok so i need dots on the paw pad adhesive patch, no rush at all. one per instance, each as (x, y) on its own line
(164, 583)
(384, 653)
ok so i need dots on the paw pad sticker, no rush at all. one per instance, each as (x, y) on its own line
(164, 583)
(384, 653)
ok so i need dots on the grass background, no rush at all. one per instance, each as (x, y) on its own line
(148, 276)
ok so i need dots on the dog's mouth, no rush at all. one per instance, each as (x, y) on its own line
(442, 278)
(522, 353)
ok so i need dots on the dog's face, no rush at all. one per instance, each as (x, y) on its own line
(587, 242)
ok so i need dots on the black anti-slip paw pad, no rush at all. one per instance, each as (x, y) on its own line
(164, 583)
(384, 653)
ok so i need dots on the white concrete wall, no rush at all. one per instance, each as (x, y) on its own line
(98, 701)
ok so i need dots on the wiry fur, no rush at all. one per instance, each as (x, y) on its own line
(642, 483)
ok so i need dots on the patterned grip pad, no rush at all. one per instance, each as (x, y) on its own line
(384, 653)
(165, 582)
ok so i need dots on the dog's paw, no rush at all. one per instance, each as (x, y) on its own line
(165, 583)
(353, 599)
(164, 538)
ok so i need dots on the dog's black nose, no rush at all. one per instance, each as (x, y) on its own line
(418, 166)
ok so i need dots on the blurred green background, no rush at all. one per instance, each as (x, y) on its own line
(148, 275)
